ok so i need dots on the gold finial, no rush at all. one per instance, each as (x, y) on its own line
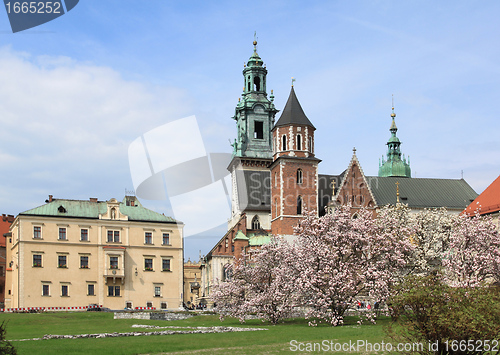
(397, 191)
(393, 114)
(354, 150)
(333, 189)
(255, 41)
(293, 79)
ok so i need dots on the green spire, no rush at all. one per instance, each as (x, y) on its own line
(394, 165)
(254, 113)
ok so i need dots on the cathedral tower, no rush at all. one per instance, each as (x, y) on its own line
(294, 171)
(252, 148)
(394, 165)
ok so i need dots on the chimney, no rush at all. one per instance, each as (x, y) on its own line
(93, 199)
(50, 198)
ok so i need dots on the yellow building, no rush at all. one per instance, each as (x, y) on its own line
(72, 253)
(192, 279)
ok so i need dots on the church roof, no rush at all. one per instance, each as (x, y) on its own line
(91, 209)
(415, 192)
(293, 113)
(488, 201)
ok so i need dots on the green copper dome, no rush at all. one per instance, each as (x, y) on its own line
(396, 164)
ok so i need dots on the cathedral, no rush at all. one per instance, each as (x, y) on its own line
(275, 177)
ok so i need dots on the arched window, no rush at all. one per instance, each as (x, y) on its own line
(299, 176)
(255, 223)
(283, 145)
(299, 205)
(310, 145)
(275, 179)
(299, 142)
(249, 83)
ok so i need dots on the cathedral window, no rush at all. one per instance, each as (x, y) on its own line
(255, 223)
(276, 207)
(299, 142)
(310, 145)
(299, 205)
(249, 83)
(299, 176)
(256, 82)
(283, 145)
(258, 130)
(275, 179)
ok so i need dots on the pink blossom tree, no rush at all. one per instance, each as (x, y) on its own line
(341, 258)
(263, 283)
(473, 254)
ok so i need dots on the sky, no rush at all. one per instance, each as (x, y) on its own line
(77, 91)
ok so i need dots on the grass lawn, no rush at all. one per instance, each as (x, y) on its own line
(272, 341)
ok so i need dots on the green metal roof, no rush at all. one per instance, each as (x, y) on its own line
(90, 209)
(422, 192)
(259, 239)
(240, 236)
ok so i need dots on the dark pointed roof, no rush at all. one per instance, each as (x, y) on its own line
(293, 113)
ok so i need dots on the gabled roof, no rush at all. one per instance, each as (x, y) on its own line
(92, 209)
(293, 113)
(488, 201)
(422, 192)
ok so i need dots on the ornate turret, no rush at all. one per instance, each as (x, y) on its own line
(394, 165)
(254, 113)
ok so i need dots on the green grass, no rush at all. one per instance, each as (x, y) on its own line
(272, 341)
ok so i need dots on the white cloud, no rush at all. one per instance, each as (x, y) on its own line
(66, 126)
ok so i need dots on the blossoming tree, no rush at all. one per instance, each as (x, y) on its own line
(263, 283)
(341, 258)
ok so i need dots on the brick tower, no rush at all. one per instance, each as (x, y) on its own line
(294, 171)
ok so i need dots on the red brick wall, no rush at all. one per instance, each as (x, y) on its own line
(355, 190)
(285, 188)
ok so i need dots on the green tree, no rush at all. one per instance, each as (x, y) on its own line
(458, 319)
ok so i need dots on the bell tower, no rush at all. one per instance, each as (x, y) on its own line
(294, 171)
(252, 148)
(254, 113)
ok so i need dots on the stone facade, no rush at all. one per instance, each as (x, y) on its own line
(70, 253)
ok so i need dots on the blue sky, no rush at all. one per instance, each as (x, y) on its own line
(75, 92)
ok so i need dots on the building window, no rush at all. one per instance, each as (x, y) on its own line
(275, 179)
(64, 291)
(299, 142)
(90, 290)
(45, 290)
(255, 223)
(149, 304)
(113, 262)
(165, 264)
(62, 233)
(128, 305)
(37, 232)
(163, 305)
(283, 144)
(299, 176)
(299, 205)
(113, 236)
(113, 291)
(258, 130)
(148, 264)
(157, 291)
(37, 260)
(310, 145)
(166, 239)
(61, 261)
(84, 235)
(84, 262)
(148, 238)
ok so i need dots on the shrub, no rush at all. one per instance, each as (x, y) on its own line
(427, 311)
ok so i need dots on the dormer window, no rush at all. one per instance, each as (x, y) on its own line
(61, 209)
